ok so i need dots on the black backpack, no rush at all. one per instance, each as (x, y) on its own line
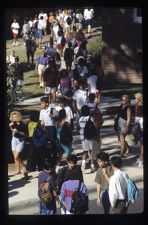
(66, 137)
(90, 129)
(79, 204)
(69, 20)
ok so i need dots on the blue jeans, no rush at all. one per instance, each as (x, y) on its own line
(105, 201)
(44, 210)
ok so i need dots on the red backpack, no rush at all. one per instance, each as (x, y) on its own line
(97, 117)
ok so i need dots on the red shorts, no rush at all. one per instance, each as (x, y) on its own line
(14, 35)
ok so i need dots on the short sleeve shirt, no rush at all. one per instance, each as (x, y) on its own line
(81, 97)
(45, 116)
(100, 179)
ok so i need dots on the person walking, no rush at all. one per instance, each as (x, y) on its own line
(118, 183)
(48, 174)
(103, 174)
(15, 31)
(124, 117)
(19, 132)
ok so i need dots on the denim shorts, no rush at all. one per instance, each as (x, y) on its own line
(17, 144)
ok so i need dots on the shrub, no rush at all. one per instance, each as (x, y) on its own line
(94, 50)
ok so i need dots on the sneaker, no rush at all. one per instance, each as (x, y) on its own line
(13, 44)
(25, 174)
(140, 164)
(16, 43)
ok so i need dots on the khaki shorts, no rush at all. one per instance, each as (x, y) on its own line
(96, 148)
(41, 69)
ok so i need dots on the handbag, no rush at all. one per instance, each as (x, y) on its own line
(116, 124)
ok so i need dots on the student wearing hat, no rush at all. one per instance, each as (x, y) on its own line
(47, 120)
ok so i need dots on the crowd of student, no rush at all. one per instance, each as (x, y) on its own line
(50, 132)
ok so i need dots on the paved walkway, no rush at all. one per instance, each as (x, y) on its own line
(23, 199)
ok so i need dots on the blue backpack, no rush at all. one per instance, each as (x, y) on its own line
(132, 191)
(39, 137)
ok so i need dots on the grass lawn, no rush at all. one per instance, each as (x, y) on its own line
(118, 90)
(31, 83)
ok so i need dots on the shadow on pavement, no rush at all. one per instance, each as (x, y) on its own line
(11, 194)
(17, 183)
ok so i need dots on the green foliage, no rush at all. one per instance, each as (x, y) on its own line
(95, 49)
(12, 96)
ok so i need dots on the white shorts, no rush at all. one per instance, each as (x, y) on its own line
(17, 144)
(41, 69)
(87, 144)
(49, 90)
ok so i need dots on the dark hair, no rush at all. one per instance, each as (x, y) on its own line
(116, 161)
(85, 110)
(61, 100)
(103, 156)
(92, 97)
(34, 116)
(48, 164)
(81, 82)
(69, 44)
(62, 114)
(72, 158)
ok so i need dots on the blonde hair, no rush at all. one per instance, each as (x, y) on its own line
(139, 97)
(18, 115)
(127, 99)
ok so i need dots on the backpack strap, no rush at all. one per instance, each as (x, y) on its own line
(79, 187)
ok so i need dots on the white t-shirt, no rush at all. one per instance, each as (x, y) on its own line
(45, 116)
(91, 81)
(15, 27)
(45, 17)
(92, 106)
(41, 24)
(88, 14)
(69, 114)
(81, 97)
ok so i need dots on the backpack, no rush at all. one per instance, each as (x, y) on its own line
(79, 202)
(97, 117)
(89, 130)
(69, 20)
(66, 135)
(45, 192)
(39, 137)
(132, 191)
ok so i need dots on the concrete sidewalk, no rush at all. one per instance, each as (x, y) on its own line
(23, 199)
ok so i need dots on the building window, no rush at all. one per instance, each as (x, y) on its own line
(137, 15)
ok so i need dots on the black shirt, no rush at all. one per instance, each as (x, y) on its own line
(123, 112)
(20, 127)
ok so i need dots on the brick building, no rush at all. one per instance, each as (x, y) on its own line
(122, 44)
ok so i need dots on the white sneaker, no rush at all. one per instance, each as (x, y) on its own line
(140, 164)
(13, 44)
